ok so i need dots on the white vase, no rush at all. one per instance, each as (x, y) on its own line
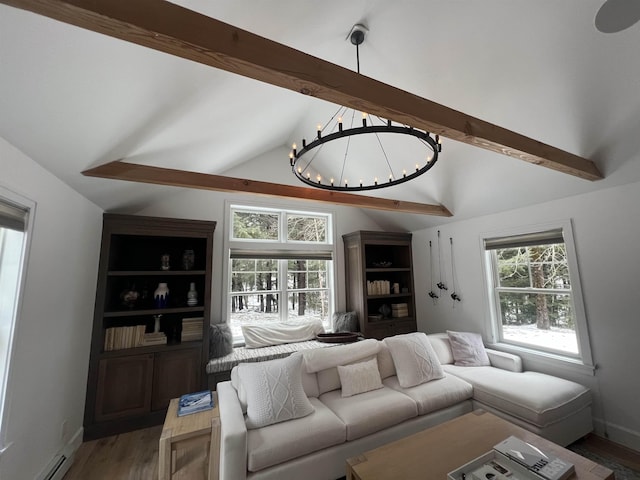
(161, 296)
(192, 295)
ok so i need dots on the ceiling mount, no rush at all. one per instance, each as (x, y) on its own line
(617, 15)
(357, 34)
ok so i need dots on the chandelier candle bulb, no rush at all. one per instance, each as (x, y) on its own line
(319, 130)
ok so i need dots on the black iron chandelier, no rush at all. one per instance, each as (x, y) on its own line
(345, 124)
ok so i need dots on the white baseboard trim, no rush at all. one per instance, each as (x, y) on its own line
(62, 461)
(617, 433)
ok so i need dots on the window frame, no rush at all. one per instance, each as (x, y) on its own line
(493, 317)
(282, 247)
(9, 197)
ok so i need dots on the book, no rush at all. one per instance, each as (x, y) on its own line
(195, 402)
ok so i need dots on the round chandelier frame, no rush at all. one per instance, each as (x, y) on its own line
(303, 171)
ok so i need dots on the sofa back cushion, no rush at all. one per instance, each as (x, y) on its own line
(414, 358)
(385, 362)
(442, 347)
(324, 361)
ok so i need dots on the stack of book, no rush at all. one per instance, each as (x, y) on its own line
(195, 402)
(379, 287)
(158, 338)
(399, 310)
(192, 329)
(117, 338)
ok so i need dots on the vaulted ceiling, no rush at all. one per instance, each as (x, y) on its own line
(73, 99)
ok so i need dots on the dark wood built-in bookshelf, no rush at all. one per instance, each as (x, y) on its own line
(130, 383)
(374, 262)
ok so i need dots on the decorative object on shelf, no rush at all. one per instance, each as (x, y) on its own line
(192, 295)
(432, 294)
(156, 323)
(385, 310)
(129, 296)
(382, 264)
(454, 296)
(396, 288)
(161, 295)
(441, 285)
(165, 261)
(394, 168)
(188, 259)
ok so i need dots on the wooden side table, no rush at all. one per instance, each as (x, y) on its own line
(196, 430)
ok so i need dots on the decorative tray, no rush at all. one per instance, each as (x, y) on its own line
(340, 337)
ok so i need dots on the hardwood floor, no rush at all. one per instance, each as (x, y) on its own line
(132, 456)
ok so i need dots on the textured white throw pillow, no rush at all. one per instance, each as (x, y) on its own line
(415, 360)
(359, 377)
(274, 391)
(468, 349)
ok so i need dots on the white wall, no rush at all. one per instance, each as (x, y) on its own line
(48, 376)
(606, 227)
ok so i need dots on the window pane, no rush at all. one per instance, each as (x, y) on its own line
(307, 274)
(255, 225)
(304, 228)
(251, 275)
(543, 266)
(539, 319)
(309, 306)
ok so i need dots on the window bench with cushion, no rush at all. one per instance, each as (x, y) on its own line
(302, 416)
(219, 369)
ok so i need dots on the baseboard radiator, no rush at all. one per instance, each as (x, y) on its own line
(56, 468)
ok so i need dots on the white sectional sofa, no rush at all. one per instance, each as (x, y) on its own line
(291, 418)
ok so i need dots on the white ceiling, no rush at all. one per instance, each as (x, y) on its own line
(73, 99)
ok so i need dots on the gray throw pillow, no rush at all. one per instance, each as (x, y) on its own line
(345, 322)
(220, 340)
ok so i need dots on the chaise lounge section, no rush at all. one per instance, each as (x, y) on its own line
(302, 416)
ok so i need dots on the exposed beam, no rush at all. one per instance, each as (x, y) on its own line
(173, 29)
(133, 172)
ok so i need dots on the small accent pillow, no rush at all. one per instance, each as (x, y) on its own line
(220, 340)
(415, 360)
(274, 391)
(468, 349)
(359, 377)
(344, 322)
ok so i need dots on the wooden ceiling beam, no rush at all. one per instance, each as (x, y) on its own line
(170, 28)
(133, 172)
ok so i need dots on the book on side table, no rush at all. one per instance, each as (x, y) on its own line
(195, 402)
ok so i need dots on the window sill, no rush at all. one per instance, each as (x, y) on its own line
(555, 361)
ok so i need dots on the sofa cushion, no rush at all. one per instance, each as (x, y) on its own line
(280, 442)
(442, 346)
(371, 411)
(414, 358)
(468, 349)
(435, 395)
(359, 377)
(534, 397)
(274, 391)
(385, 362)
(325, 364)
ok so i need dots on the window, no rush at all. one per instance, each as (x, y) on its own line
(280, 267)
(535, 294)
(13, 228)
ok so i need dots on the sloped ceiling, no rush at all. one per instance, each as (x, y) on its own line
(73, 99)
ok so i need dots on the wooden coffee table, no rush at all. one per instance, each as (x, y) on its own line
(434, 452)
